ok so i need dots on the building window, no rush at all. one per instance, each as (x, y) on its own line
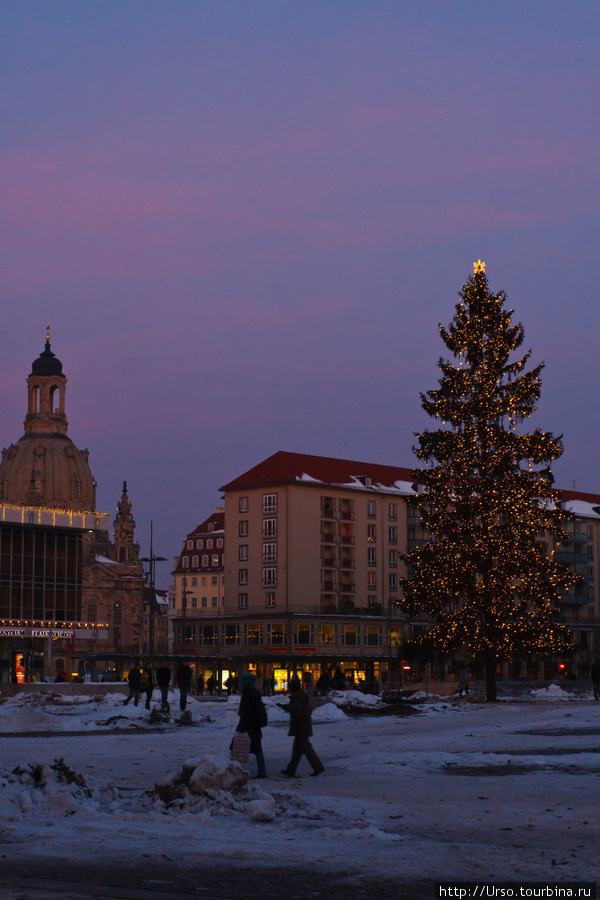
(393, 560)
(243, 601)
(215, 579)
(242, 576)
(276, 634)
(243, 504)
(209, 545)
(204, 580)
(194, 603)
(269, 577)
(214, 601)
(117, 614)
(393, 534)
(231, 635)
(194, 562)
(185, 562)
(350, 635)
(243, 528)
(215, 561)
(327, 635)
(372, 580)
(393, 581)
(269, 529)
(190, 545)
(269, 504)
(199, 545)
(269, 552)
(371, 513)
(371, 533)
(372, 636)
(207, 635)
(91, 611)
(304, 634)
(194, 581)
(270, 599)
(372, 600)
(243, 552)
(371, 556)
(253, 634)
(205, 561)
(204, 602)
(392, 511)
(219, 543)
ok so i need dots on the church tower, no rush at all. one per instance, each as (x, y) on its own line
(124, 548)
(45, 468)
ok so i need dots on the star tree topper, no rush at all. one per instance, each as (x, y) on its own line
(479, 266)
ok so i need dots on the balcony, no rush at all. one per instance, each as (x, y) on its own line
(575, 600)
(571, 559)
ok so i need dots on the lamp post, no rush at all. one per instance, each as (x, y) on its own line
(151, 560)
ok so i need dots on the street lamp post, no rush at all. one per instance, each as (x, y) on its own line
(151, 560)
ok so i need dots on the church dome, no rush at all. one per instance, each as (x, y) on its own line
(47, 362)
(45, 468)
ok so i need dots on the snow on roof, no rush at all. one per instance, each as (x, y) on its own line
(581, 508)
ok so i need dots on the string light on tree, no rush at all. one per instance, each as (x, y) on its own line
(485, 576)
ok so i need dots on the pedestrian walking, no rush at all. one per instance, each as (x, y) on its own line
(134, 678)
(463, 682)
(184, 680)
(253, 718)
(200, 685)
(163, 679)
(148, 682)
(300, 711)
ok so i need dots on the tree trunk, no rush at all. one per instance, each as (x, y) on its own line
(490, 678)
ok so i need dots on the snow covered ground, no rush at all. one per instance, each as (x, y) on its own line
(456, 791)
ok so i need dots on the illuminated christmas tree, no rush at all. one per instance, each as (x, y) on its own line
(486, 576)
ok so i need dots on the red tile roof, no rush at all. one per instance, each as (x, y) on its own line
(291, 468)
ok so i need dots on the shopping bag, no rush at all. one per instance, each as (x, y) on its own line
(240, 747)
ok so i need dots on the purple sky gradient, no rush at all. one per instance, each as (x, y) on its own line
(244, 220)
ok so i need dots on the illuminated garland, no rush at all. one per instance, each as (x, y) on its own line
(487, 577)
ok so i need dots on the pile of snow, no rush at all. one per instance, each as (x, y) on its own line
(37, 790)
(355, 699)
(552, 692)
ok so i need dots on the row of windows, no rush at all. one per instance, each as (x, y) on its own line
(269, 576)
(269, 600)
(269, 504)
(275, 634)
(215, 561)
(200, 543)
(204, 580)
(269, 552)
(214, 602)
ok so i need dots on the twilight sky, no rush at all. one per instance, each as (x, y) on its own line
(244, 220)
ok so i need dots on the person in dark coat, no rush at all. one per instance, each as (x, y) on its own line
(163, 680)
(134, 678)
(253, 717)
(184, 680)
(300, 712)
(149, 680)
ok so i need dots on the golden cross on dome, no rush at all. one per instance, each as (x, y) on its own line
(479, 267)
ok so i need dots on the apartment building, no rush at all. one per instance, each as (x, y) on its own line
(198, 594)
(311, 577)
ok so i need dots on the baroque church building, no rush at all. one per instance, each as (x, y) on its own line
(71, 600)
